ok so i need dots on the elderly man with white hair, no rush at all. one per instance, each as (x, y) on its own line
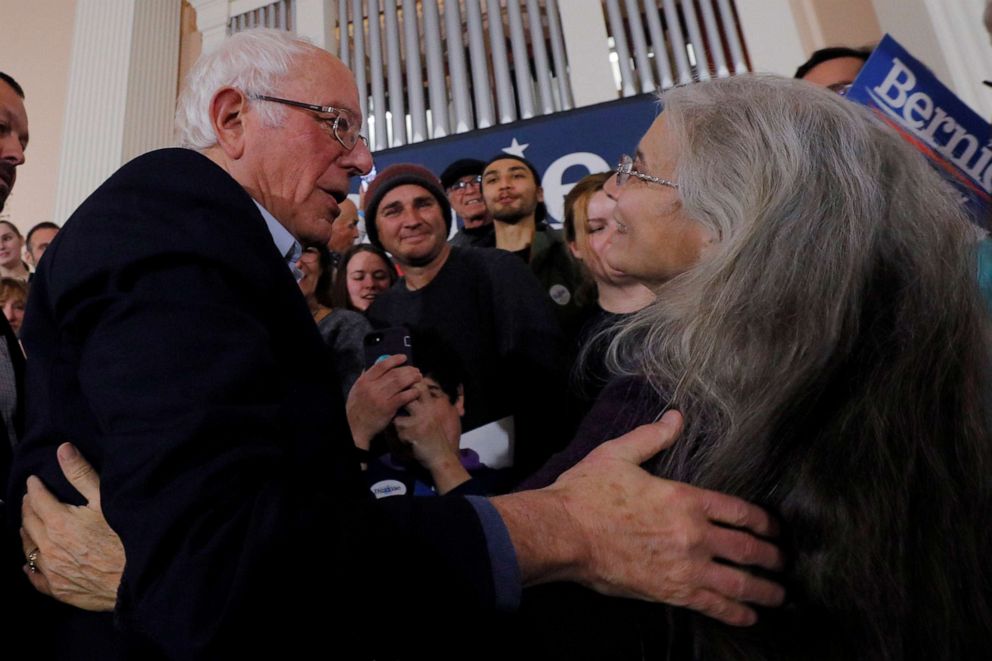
(170, 344)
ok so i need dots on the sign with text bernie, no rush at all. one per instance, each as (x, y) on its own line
(908, 97)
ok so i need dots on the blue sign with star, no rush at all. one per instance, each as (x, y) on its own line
(564, 147)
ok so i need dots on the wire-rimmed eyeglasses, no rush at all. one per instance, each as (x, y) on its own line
(462, 184)
(625, 170)
(344, 127)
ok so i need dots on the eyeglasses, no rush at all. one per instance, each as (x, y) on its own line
(344, 127)
(625, 170)
(462, 184)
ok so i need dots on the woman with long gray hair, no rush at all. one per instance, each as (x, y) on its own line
(818, 324)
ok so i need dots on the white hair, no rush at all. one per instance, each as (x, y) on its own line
(254, 61)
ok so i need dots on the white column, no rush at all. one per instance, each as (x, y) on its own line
(149, 117)
(771, 36)
(584, 28)
(211, 21)
(316, 20)
(950, 38)
(122, 91)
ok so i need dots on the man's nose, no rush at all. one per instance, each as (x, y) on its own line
(359, 159)
(11, 150)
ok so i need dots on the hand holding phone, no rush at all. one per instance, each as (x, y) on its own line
(380, 393)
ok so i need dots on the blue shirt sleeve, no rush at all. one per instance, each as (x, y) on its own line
(507, 583)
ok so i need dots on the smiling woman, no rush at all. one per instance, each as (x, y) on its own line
(341, 329)
(819, 325)
(363, 273)
(11, 247)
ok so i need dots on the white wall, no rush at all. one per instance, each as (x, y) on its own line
(35, 40)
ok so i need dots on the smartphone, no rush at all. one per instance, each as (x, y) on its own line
(382, 344)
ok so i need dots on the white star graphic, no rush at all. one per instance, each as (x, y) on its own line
(516, 149)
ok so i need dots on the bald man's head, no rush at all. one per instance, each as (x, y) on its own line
(344, 230)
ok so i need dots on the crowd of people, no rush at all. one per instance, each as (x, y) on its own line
(738, 406)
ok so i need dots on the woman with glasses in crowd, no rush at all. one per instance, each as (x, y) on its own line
(819, 326)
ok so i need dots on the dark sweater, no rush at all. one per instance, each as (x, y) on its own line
(489, 309)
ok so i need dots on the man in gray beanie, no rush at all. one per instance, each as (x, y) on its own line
(402, 174)
(486, 306)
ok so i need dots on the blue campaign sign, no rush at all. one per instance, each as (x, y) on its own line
(564, 147)
(909, 98)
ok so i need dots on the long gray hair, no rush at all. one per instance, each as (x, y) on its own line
(830, 354)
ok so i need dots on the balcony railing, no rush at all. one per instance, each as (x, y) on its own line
(431, 68)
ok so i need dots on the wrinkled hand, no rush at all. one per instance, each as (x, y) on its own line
(378, 393)
(80, 559)
(644, 537)
(433, 440)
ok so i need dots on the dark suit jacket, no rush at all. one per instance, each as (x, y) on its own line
(16, 592)
(168, 340)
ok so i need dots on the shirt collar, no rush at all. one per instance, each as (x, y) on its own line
(288, 247)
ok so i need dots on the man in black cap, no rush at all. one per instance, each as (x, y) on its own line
(488, 309)
(462, 180)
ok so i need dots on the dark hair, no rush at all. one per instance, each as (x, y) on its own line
(512, 157)
(44, 225)
(832, 53)
(12, 226)
(339, 292)
(322, 291)
(13, 83)
(436, 360)
(541, 211)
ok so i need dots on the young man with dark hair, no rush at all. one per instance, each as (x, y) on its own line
(512, 189)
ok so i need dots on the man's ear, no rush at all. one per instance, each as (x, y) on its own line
(227, 110)
(540, 194)
(460, 402)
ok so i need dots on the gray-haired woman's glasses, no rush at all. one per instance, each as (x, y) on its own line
(343, 126)
(625, 170)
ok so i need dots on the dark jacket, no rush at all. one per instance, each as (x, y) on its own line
(169, 341)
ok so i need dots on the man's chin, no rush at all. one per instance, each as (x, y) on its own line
(511, 218)
(315, 232)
